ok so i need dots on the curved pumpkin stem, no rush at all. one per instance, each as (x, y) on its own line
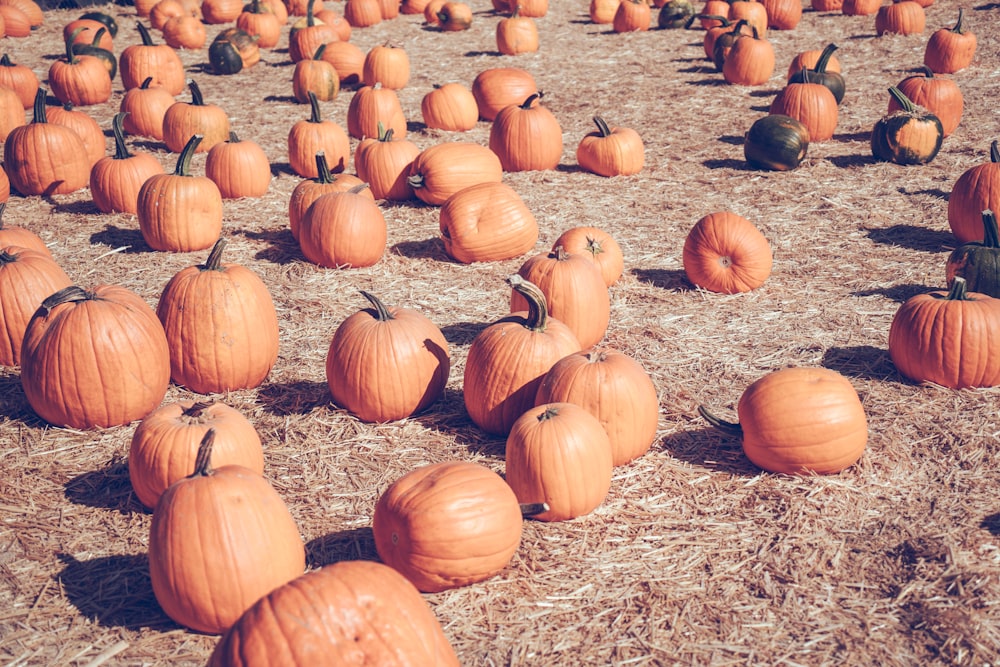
(183, 167)
(384, 135)
(71, 294)
(959, 28)
(382, 313)
(147, 39)
(902, 99)
(323, 169)
(320, 50)
(994, 151)
(70, 40)
(196, 410)
(196, 97)
(6, 257)
(529, 510)
(824, 58)
(527, 104)
(730, 428)
(121, 150)
(214, 261)
(203, 462)
(538, 309)
(602, 127)
(146, 82)
(314, 115)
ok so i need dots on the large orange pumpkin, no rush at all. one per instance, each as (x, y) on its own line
(446, 525)
(724, 252)
(27, 277)
(343, 229)
(219, 540)
(387, 363)
(351, 613)
(975, 191)
(221, 326)
(441, 170)
(94, 358)
(527, 136)
(487, 222)
(800, 420)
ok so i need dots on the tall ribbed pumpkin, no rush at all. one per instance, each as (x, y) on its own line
(27, 277)
(221, 326)
(975, 191)
(527, 136)
(219, 540)
(94, 358)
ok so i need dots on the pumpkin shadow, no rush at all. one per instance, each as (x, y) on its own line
(289, 99)
(294, 398)
(898, 293)
(130, 240)
(913, 237)
(848, 161)
(857, 136)
(13, 402)
(710, 449)
(350, 544)
(707, 68)
(432, 248)
(930, 192)
(991, 523)
(477, 54)
(81, 207)
(462, 333)
(109, 488)
(282, 246)
(669, 279)
(733, 139)
(861, 361)
(719, 81)
(728, 163)
(115, 591)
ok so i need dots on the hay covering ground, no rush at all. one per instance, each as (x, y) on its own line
(696, 557)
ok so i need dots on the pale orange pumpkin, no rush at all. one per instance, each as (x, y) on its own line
(724, 252)
(487, 222)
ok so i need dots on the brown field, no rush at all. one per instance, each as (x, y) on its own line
(696, 557)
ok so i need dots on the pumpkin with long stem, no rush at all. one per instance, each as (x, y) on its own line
(147, 59)
(978, 262)
(825, 71)
(949, 50)
(799, 421)
(220, 539)
(79, 79)
(43, 158)
(507, 360)
(386, 364)
(611, 152)
(976, 190)
(186, 119)
(313, 135)
(304, 39)
(115, 180)
(95, 48)
(912, 135)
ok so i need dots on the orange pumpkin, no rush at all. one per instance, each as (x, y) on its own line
(938, 94)
(371, 106)
(309, 190)
(343, 230)
(387, 64)
(500, 87)
(487, 222)
(313, 135)
(79, 79)
(950, 50)
(975, 191)
(598, 246)
(611, 152)
(632, 16)
(239, 168)
(751, 60)
(145, 106)
(905, 17)
(384, 163)
(19, 78)
(182, 120)
(811, 103)
(27, 277)
(441, 170)
(147, 60)
(451, 107)
(724, 252)
(446, 525)
(115, 180)
(527, 136)
(516, 34)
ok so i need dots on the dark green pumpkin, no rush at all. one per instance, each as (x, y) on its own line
(107, 57)
(818, 74)
(912, 135)
(979, 263)
(776, 142)
(724, 43)
(232, 51)
(675, 14)
(106, 19)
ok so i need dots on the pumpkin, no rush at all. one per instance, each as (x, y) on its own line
(347, 59)
(905, 17)
(596, 245)
(144, 108)
(371, 106)
(487, 222)
(613, 387)
(602, 12)
(499, 87)
(233, 51)
(19, 78)
(219, 540)
(751, 60)
(343, 230)
(309, 190)
(32, 11)
(441, 170)
(811, 103)
(164, 445)
(384, 163)
(632, 16)
(115, 180)
(43, 158)
(911, 135)
(516, 34)
(451, 107)
(574, 290)
(825, 71)
(239, 168)
(560, 455)
(387, 64)
(221, 326)
(188, 32)
(751, 11)
(411, 7)
(106, 20)
(317, 76)
(308, 35)
(611, 152)
(88, 129)
(947, 338)
(507, 360)
(722, 40)
(19, 236)
(180, 212)
(799, 421)
(147, 60)
(16, 22)
(79, 79)
(312, 135)
(94, 358)
(860, 7)
(454, 16)
(386, 364)
(811, 60)
(827, 5)
(363, 13)
(976, 190)
(27, 277)
(259, 20)
(164, 10)
(776, 142)
(527, 136)
(447, 525)
(221, 11)
(350, 613)
(950, 50)
(94, 48)
(783, 14)
(674, 14)
(938, 94)
(724, 252)
(183, 120)
(978, 262)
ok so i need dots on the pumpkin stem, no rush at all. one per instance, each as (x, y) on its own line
(994, 152)
(195, 410)
(320, 50)
(69, 294)
(323, 169)
(3, 209)
(531, 100)
(233, 139)
(927, 71)
(550, 412)
(959, 290)
(824, 58)
(203, 462)
(382, 313)
(594, 355)
(904, 101)
(147, 39)
(559, 253)
(314, 115)
(358, 188)
(121, 150)
(384, 134)
(959, 28)
(730, 428)
(602, 127)
(214, 261)
(991, 237)
(70, 40)
(145, 83)
(196, 97)
(183, 167)
(594, 246)
(5, 61)
(310, 16)
(38, 110)
(529, 510)
(6, 257)
(538, 309)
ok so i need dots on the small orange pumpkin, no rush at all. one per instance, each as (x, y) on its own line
(950, 50)
(724, 252)
(598, 246)
(527, 136)
(343, 230)
(451, 107)
(611, 152)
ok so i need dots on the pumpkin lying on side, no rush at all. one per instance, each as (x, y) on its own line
(724, 252)
(776, 142)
